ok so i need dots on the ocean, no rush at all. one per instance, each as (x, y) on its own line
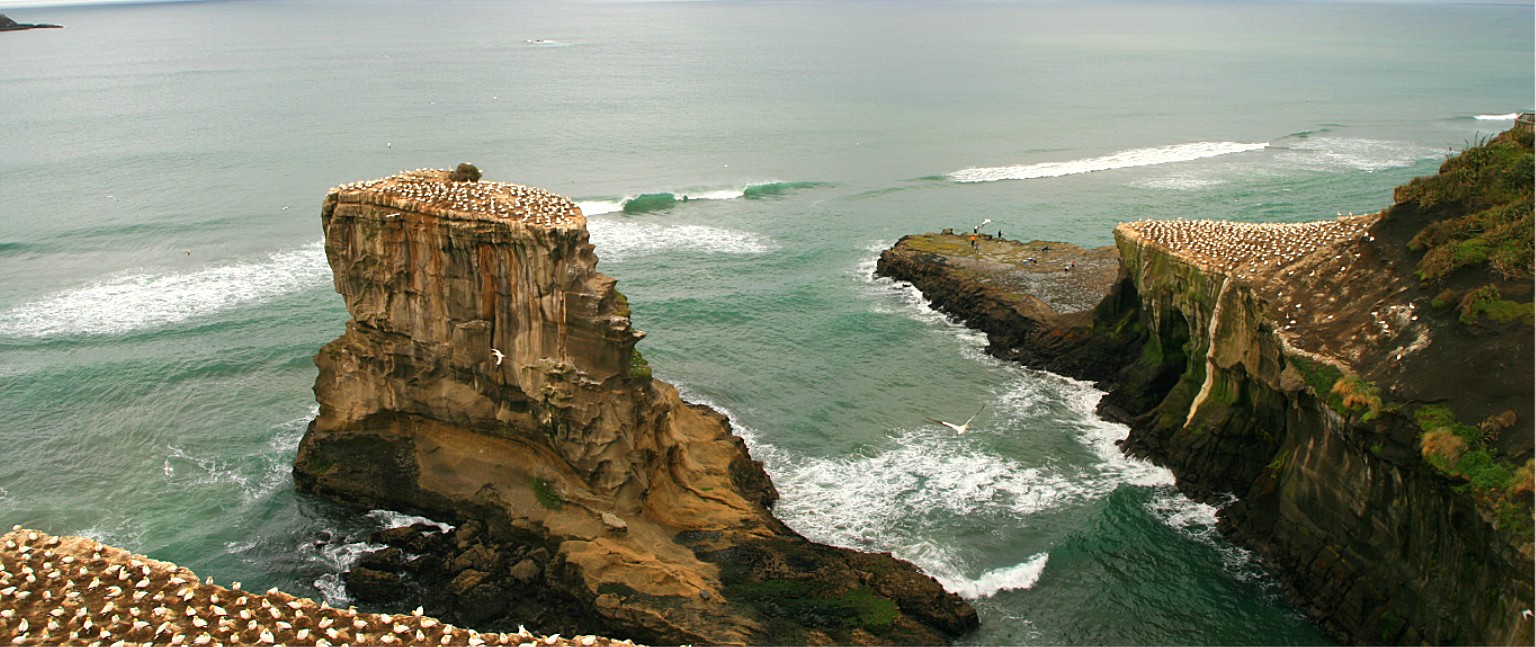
(163, 287)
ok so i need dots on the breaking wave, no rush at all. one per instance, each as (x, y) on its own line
(664, 200)
(131, 302)
(1123, 159)
(1507, 117)
(617, 239)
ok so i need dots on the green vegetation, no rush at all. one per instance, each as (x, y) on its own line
(809, 604)
(1321, 376)
(1348, 395)
(1486, 301)
(1460, 451)
(638, 367)
(1445, 299)
(1487, 193)
(545, 492)
(620, 304)
(465, 172)
(1358, 397)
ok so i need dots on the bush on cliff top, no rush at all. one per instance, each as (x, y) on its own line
(1486, 301)
(466, 172)
(1486, 197)
(1459, 451)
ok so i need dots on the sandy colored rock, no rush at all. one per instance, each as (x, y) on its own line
(489, 374)
(77, 591)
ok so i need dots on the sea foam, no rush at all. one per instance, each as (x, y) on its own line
(1346, 153)
(137, 301)
(1123, 159)
(617, 239)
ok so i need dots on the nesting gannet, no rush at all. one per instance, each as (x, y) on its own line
(960, 429)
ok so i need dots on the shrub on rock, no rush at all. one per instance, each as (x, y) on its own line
(466, 172)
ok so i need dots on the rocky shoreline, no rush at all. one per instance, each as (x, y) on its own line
(1309, 375)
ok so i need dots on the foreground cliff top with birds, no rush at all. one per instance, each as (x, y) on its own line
(78, 591)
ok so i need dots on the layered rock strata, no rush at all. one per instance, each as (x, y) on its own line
(1246, 358)
(489, 376)
(77, 591)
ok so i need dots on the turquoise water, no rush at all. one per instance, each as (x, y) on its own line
(162, 288)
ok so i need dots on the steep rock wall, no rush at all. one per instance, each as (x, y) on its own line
(1373, 542)
(1210, 348)
(488, 375)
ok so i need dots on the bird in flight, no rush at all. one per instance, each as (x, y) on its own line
(498, 355)
(960, 429)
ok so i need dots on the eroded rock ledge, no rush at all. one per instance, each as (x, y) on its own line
(1296, 368)
(489, 377)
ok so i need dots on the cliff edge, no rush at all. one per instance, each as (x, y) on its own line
(1359, 389)
(489, 376)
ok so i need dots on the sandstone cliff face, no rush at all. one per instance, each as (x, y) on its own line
(489, 376)
(1210, 343)
(1376, 543)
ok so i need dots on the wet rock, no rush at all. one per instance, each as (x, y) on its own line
(374, 586)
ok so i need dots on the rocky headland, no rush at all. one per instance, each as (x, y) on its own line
(489, 378)
(1356, 393)
(7, 24)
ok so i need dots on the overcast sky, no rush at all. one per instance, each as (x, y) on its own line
(20, 4)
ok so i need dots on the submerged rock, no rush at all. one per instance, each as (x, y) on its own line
(489, 376)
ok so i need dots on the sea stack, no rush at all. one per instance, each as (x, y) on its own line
(489, 377)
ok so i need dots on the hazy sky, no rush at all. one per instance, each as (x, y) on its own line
(18, 4)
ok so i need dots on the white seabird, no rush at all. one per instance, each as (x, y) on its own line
(498, 355)
(960, 429)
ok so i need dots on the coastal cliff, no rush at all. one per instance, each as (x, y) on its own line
(1360, 396)
(489, 377)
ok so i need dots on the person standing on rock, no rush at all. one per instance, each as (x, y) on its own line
(973, 241)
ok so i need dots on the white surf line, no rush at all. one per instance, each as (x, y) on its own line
(1123, 159)
(131, 302)
(617, 239)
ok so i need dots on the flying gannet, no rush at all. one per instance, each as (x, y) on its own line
(960, 429)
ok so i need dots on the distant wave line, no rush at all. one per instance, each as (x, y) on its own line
(131, 302)
(1123, 159)
(1507, 117)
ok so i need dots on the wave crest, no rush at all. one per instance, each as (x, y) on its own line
(664, 200)
(1123, 159)
(133, 302)
(618, 239)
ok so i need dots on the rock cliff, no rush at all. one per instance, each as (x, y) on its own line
(489, 376)
(1318, 377)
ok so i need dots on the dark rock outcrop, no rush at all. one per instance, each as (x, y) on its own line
(1300, 369)
(489, 377)
(6, 24)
